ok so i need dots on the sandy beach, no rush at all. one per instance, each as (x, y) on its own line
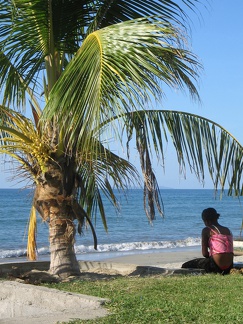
(170, 260)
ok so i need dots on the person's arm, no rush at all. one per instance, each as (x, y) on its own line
(205, 237)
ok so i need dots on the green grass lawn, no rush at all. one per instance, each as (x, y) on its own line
(178, 299)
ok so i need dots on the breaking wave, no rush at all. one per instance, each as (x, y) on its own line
(116, 247)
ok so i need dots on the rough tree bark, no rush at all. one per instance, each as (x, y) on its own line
(63, 261)
(55, 207)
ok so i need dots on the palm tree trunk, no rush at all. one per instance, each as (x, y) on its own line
(63, 261)
(57, 209)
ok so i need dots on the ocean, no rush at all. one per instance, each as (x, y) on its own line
(129, 231)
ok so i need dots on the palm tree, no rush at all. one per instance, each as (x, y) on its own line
(90, 71)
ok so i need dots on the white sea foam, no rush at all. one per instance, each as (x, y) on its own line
(12, 253)
(131, 246)
(116, 247)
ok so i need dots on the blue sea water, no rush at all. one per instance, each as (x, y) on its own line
(129, 230)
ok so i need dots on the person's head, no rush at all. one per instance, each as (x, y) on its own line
(210, 215)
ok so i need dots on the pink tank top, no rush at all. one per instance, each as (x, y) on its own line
(220, 243)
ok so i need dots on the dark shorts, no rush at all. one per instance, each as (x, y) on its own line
(207, 264)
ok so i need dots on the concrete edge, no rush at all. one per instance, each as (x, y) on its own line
(16, 269)
(45, 294)
(28, 304)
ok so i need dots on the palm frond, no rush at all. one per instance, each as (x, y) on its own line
(41, 31)
(118, 69)
(198, 141)
(11, 84)
(112, 12)
(21, 140)
(46, 34)
(99, 173)
(31, 245)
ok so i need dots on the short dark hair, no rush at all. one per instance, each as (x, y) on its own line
(210, 214)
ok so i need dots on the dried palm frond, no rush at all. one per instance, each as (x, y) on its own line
(31, 245)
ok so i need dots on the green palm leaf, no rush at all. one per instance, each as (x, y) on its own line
(21, 140)
(101, 173)
(112, 12)
(46, 34)
(118, 69)
(197, 141)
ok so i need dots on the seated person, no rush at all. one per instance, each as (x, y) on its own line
(217, 246)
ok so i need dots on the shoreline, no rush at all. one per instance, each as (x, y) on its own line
(110, 255)
(164, 258)
(105, 255)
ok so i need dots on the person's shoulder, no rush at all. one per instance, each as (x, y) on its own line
(225, 230)
(205, 230)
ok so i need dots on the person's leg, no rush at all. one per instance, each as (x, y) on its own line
(199, 263)
(227, 271)
(216, 269)
(207, 264)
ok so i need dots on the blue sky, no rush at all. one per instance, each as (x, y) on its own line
(217, 40)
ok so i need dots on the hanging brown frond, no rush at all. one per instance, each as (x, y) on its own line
(31, 245)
